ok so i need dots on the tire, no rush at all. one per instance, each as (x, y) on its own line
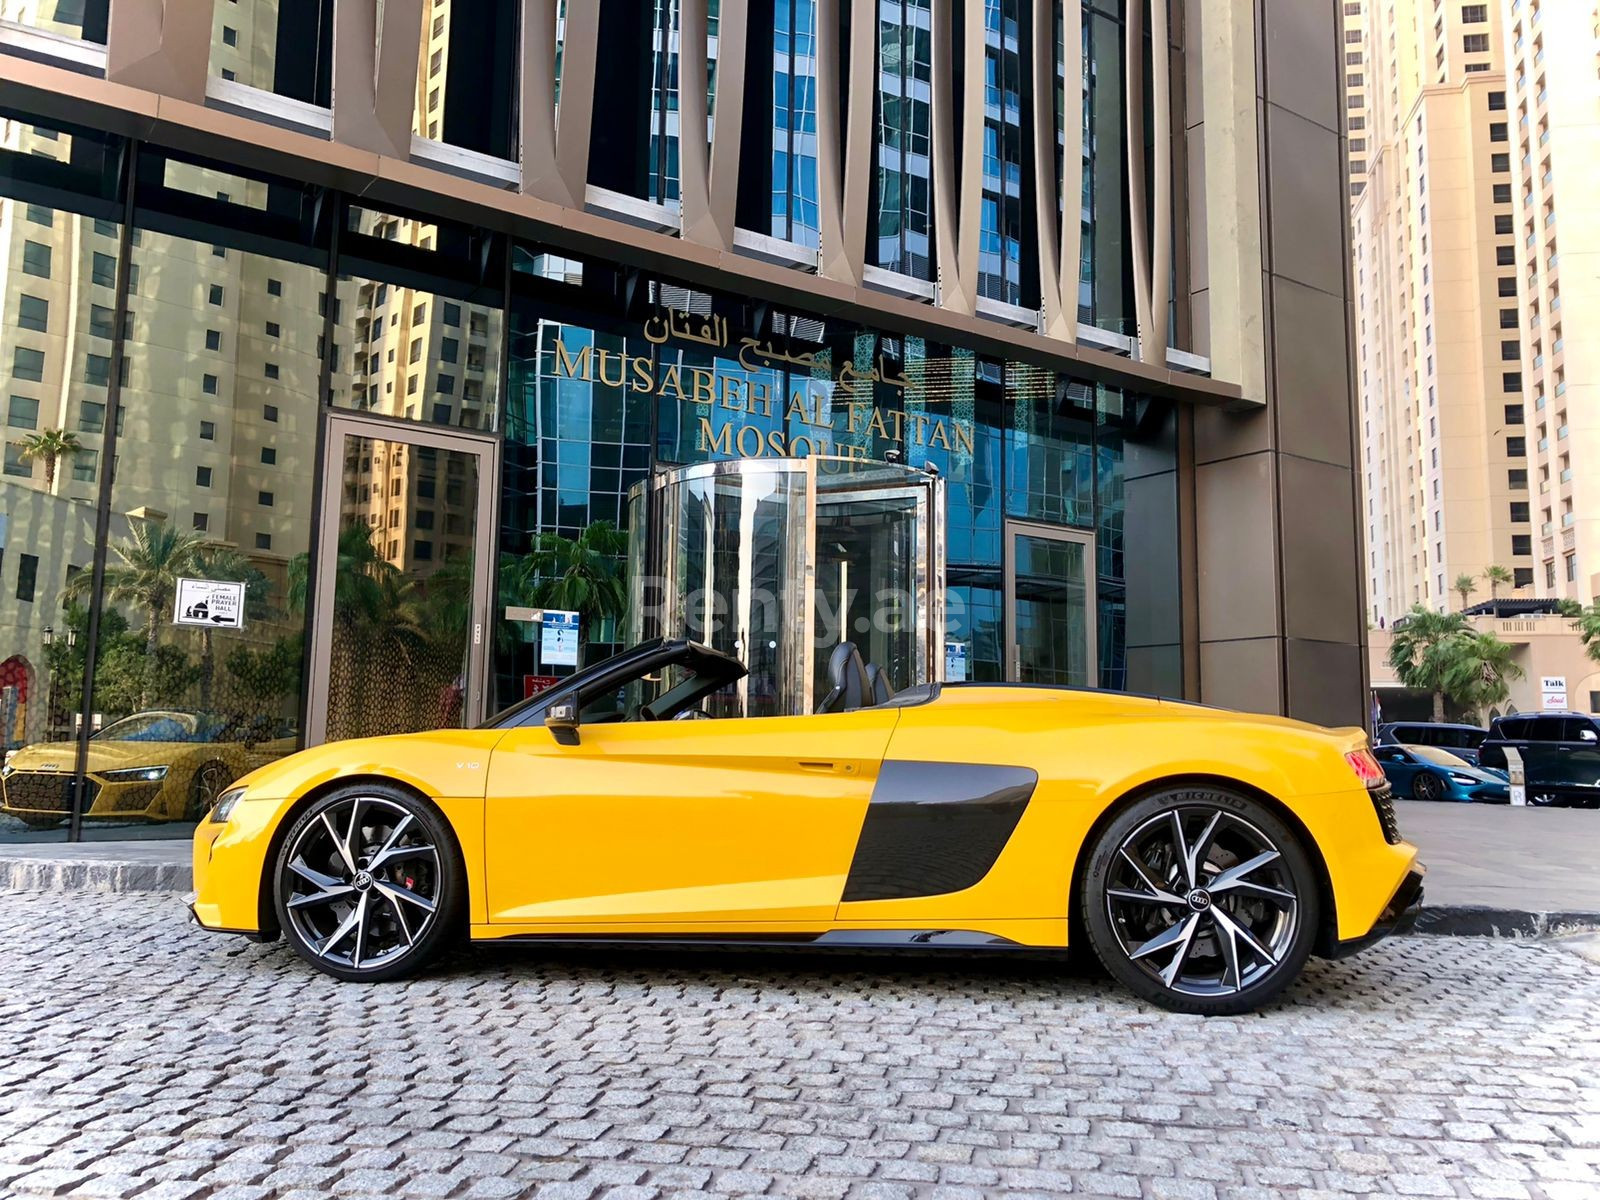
(369, 884)
(1172, 941)
(210, 780)
(1427, 786)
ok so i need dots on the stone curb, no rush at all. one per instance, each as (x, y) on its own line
(1464, 920)
(92, 875)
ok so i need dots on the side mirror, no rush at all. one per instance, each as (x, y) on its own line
(561, 719)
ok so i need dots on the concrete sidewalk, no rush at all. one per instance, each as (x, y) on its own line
(1494, 869)
(1491, 869)
(146, 866)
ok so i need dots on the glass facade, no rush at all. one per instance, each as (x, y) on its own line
(84, 19)
(794, 122)
(261, 435)
(901, 238)
(1005, 216)
(246, 36)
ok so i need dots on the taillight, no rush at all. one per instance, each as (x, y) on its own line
(1366, 768)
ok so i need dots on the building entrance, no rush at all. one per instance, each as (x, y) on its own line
(780, 561)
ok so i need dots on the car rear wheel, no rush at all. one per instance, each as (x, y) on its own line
(1427, 786)
(370, 884)
(1201, 900)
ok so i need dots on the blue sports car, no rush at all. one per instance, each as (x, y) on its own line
(1429, 773)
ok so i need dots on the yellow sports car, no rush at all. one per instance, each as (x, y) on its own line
(159, 765)
(1203, 854)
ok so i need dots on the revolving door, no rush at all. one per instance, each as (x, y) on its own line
(778, 560)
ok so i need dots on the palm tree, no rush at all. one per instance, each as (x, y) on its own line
(226, 563)
(1587, 622)
(1479, 670)
(146, 573)
(1465, 584)
(50, 446)
(1496, 577)
(1423, 651)
(581, 575)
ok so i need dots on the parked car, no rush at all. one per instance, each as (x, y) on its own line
(1461, 740)
(159, 765)
(1429, 773)
(948, 815)
(1560, 754)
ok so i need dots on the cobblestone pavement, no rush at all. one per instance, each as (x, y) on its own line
(143, 1057)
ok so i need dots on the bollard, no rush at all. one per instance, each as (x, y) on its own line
(1519, 776)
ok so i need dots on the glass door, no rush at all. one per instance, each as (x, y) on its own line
(878, 548)
(1051, 605)
(402, 581)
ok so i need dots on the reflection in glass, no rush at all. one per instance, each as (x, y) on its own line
(414, 353)
(84, 19)
(57, 304)
(903, 209)
(1002, 228)
(467, 76)
(246, 36)
(1106, 265)
(213, 486)
(1050, 612)
(794, 122)
(402, 591)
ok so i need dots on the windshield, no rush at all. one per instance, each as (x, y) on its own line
(155, 727)
(1439, 758)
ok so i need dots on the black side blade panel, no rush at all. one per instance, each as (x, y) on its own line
(933, 828)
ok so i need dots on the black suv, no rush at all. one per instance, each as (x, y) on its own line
(1461, 740)
(1560, 751)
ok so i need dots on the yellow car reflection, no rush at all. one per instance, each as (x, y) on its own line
(1202, 854)
(160, 765)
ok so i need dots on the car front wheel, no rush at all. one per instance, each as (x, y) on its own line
(369, 883)
(1201, 900)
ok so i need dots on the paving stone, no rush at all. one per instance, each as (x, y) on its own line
(1426, 1067)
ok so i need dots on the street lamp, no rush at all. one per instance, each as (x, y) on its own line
(49, 635)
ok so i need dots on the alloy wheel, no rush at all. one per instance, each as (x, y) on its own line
(1427, 786)
(1202, 900)
(362, 883)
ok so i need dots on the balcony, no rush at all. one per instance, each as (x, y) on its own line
(1566, 475)
(1568, 520)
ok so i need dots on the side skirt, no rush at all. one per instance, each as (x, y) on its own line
(838, 939)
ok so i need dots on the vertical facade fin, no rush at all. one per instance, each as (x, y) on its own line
(537, 123)
(1071, 241)
(574, 107)
(1153, 337)
(1138, 208)
(945, 191)
(969, 225)
(844, 136)
(727, 129)
(709, 174)
(1056, 194)
(694, 125)
(162, 46)
(375, 74)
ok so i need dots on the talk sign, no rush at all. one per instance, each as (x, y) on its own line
(212, 603)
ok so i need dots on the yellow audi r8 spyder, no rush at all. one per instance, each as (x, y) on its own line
(157, 765)
(1203, 854)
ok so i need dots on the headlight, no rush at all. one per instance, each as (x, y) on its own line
(134, 775)
(225, 803)
(5, 771)
(1466, 779)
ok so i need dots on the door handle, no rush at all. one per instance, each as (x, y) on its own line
(818, 767)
